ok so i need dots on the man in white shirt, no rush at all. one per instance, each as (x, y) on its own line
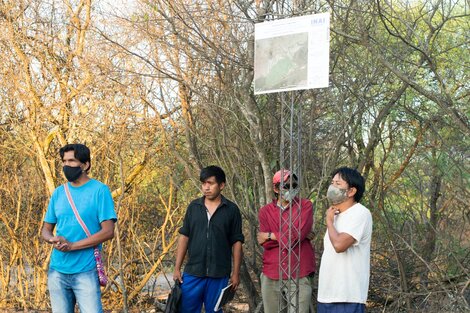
(345, 263)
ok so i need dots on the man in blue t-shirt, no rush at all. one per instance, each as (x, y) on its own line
(72, 276)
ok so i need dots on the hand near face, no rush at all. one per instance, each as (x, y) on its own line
(330, 214)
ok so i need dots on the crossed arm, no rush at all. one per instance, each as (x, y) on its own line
(305, 228)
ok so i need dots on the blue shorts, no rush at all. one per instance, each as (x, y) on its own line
(341, 307)
(199, 290)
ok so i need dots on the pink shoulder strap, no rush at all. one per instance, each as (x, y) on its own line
(75, 211)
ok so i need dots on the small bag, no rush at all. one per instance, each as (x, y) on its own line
(96, 252)
(100, 267)
(174, 299)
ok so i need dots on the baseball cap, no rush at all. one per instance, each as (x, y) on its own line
(277, 176)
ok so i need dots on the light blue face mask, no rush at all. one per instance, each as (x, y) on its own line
(289, 195)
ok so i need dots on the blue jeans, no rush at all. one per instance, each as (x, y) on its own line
(67, 289)
(199, 290)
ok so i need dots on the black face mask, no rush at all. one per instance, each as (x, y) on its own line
(72, 173)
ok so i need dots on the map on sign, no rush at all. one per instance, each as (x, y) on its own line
(292, 54)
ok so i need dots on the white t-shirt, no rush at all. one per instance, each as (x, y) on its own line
(344, 277)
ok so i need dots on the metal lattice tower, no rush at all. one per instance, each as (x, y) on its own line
(289, 246)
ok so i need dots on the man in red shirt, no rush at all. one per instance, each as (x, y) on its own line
(269, 234)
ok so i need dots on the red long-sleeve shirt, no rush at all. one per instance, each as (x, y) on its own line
(269, 221)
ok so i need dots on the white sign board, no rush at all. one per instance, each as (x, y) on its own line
(292, 54)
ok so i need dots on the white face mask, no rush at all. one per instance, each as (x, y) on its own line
(289, 195)
(336, 195)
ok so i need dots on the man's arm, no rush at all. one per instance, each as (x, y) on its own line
(237, 252)
(340, 241)
(264, 230)
(264, 237)
(106, 233)
(180, 254)
(62, 244)
(47, 232)
(305, 228)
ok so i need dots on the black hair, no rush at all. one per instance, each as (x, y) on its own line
(354, 179)
(80, 152)
(210, 171)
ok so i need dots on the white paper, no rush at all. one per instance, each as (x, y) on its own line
(292, 54)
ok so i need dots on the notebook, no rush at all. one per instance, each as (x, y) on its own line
(225, 296)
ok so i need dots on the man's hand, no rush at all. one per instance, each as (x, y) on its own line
(262, 237)
(177, 276)
(340, 241)
(61, 244)
(330, 214)
(311, 235)
(235, 281)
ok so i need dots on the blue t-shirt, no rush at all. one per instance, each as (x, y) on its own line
(95, 205)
